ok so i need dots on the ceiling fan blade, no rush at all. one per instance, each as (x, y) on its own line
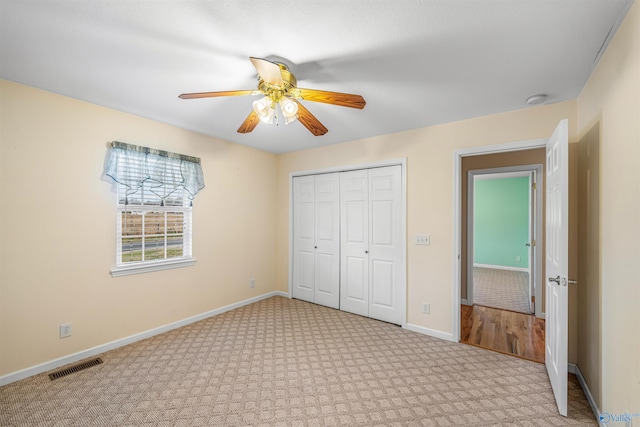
(310, 121)
(216, 94)
(249, 123)
(269, 71)
(335, 98)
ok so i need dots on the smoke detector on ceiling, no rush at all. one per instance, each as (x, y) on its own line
(536, 99)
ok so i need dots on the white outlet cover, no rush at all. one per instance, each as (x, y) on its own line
(65, 330)
(423, 239)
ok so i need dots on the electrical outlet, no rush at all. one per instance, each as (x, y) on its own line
(426, 308)
(423, 239)
(65, 330)
(252, 283)
(518, 259)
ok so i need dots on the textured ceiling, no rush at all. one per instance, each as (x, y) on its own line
(417, 63)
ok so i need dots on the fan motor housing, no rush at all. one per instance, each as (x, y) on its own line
(288, 82)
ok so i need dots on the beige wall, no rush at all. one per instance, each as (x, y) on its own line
(611, 100)
(589, 262)
(572, 224)
(430, 153)
(58, 228)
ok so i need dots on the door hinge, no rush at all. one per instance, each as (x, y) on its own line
(534, 186)
(533, 242)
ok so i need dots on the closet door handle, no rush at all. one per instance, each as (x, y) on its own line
(366, 252)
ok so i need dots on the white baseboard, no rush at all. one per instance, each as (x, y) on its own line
(502, 267)
(431, 332)
(91, 352)
(575, 369)
(464, 301)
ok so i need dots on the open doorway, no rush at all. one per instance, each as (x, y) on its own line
(504, 219)
(496, 325)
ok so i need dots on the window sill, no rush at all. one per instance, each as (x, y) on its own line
(149, 267)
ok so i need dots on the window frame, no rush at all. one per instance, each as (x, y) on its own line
(145, 266)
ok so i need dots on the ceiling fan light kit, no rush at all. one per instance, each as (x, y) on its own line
(279, 87)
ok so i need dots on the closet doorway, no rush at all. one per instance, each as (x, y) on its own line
(347, 239)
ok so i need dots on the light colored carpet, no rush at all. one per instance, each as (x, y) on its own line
(503, 289)
(282, 362)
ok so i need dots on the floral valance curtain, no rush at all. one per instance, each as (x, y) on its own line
(159, 171)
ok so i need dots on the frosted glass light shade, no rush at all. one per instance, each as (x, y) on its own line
(289, 110)
(264, 110)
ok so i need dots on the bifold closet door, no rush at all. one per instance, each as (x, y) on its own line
(371, 272)
(354, 254)
(316, 239)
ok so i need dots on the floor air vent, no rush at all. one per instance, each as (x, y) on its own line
(75, 368)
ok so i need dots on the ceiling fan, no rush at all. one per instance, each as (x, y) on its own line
(278, 85)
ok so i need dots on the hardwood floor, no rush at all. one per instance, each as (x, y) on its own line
(508, 332)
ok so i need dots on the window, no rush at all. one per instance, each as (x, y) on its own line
(149, 229)
(155, 190)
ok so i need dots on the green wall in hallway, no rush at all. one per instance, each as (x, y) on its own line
(501, 222)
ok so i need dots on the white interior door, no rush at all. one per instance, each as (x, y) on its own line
(354, 270)
(303, 238)
(386, 244)
(327, 240)
(556, 325)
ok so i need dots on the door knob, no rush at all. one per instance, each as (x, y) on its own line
(556, 280)
(562, 281)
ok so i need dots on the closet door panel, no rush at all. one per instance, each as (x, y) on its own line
(355, 289)
(327, 240)
(323, 279)
(303, 238)
(304, 276)
(382, 223)
(386, 244)
(354, 269)
(382, 284)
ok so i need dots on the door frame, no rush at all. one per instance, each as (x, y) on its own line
(402, 162)
(536, 215)
(457, 203)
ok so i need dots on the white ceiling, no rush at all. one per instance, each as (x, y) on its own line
(417, 63)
